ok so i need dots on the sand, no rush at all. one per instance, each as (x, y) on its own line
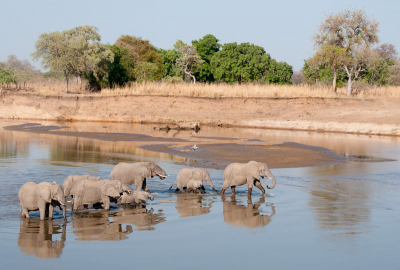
(358, 116)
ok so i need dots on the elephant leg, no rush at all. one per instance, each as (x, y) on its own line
(249, 191)
(42, 211)
(199, 190)
(106, 202)
(139, 185)
(145, 187)
(233, 190)
(222, 191)
(177, 189)
(259, 186)
(51, 209)
(203, 188)
(85, 206)
(25, 212)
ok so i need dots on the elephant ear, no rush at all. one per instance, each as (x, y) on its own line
(253, 169)
(45, 193)
(109, 190)
(145, 172)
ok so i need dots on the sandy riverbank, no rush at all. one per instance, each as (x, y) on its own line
(360, 116)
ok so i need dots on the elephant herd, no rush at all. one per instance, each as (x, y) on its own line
(87, 190)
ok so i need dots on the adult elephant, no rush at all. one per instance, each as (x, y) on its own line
(237, 174)
(137, 173)
(91, 191)
(71, 181)
(43, 197)
(186, 174)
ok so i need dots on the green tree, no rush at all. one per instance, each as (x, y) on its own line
(23, 69)
(331, 57)
(322, 73)
(206, 47)
(278, 73)
(73, 52)
(7, 75)
(143, 51)
(236, 63)
(122, 69)
(169, 61)
(146, 71)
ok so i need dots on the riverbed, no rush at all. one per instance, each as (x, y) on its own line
(340, 210)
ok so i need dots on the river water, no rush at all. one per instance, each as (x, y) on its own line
(344, 216)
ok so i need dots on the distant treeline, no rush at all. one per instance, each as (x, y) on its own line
(79, 52)
(347, 53)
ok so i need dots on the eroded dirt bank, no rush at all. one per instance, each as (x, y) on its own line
(362, 116)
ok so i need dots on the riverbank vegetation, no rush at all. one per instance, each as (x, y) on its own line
(348, 55)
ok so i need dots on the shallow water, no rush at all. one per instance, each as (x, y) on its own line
(338, 216)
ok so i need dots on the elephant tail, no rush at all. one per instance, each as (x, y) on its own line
(173, 184)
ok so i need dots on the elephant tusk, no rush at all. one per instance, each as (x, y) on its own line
(160, 175)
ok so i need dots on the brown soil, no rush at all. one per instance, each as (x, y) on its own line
(361, 116)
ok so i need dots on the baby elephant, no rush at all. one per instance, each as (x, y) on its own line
(194, 185)
(43, 197)
(136, 196)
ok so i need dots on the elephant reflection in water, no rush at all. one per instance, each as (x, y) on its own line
(36, 238)
(249, 215)
(108, 226)
(190, 205)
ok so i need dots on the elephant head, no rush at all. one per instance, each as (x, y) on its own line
(121, 187)
(53, 194)
(109, 190)
(258, 169)
(150, 169)
(143, 195)
(205, 176)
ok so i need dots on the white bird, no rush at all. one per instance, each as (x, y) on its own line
(194, 147)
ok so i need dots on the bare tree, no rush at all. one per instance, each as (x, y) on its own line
(189, 61)
(388, 51)
(351, 32)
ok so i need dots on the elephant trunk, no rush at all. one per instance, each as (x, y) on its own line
(272, 177)
(64, 209)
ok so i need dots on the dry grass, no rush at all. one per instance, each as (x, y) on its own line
(57, 87)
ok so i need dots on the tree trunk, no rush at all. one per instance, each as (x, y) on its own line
(349, 87)
(240, 80)
(66, 81)
(334, 80)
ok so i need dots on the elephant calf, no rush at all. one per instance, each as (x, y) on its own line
(237, 174)
(186, 174)
(43, 197)
(136, 196)
(194, 185)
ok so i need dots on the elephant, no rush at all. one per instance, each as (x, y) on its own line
(136, 196)
(36, 238)
(137, 173)
(248, 215)
(43, 197)
(194, 185)
(186, 174)
(91, 191)
(71, 180)
(237, 174)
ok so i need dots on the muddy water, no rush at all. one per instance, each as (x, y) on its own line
(321, 217)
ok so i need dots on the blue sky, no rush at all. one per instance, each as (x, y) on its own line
(283, 28)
